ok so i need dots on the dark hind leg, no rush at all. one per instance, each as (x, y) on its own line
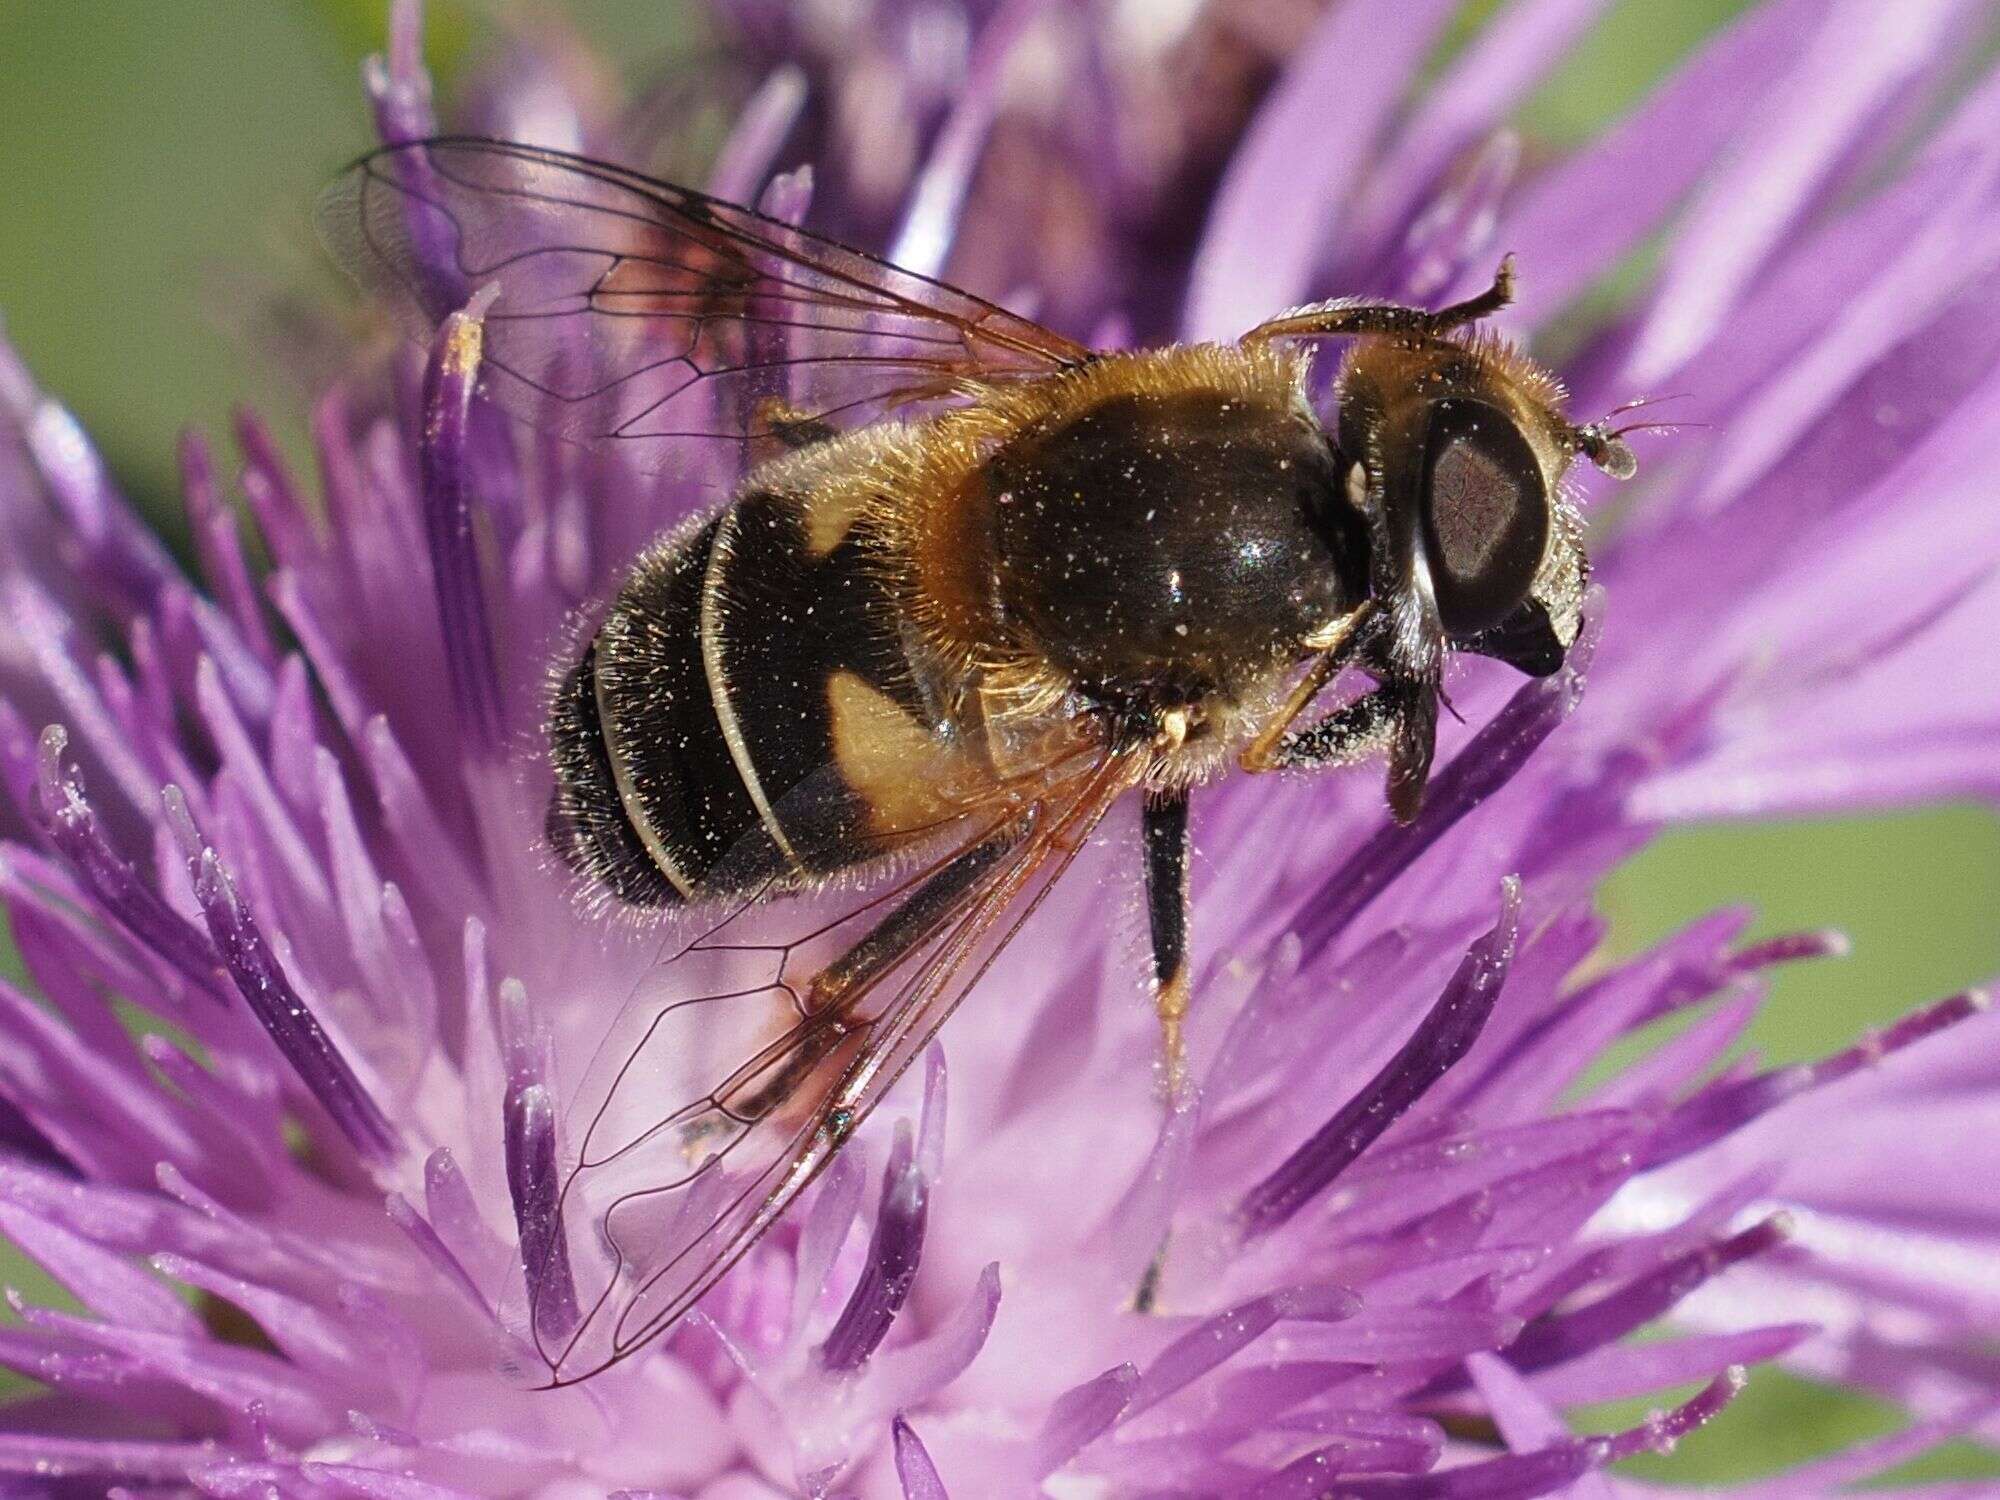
(1165, 823)
(854, 971)
(909, 925)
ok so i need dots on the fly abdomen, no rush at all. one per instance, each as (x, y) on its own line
(587, 824)
(744, 715)
(648, 800)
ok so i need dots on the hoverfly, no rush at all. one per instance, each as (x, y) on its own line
(980, 583)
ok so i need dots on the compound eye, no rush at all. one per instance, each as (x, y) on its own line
(1485, 514)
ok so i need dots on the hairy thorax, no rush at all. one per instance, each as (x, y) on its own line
(1154, 534)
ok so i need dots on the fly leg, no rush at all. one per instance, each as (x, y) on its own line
(831, 992)
(1399, 717)
(904, 930)
(1165, 822)
(1337, 646)
(1342, 319)
(1352, 732)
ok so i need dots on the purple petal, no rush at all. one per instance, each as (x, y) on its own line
(283, 517)
(118, 552)
(275, 828)
(894, 1253)
(536, 1184)
(433, 1249)
(1583, 216)
(1457, 226)
(1276, 208)
(938, 196)
(1215, 1340)
(1554, 1339)
(108, 1284)
(290, 1023)
(746, 158)
(1839, 80)
(931, 1119)
(1521, 1476)
(827, 1223)
(234, 1379)
(376, 1484)
(1081, 1414)
(1499, 66)
(73, 828)
(221, 548)
(309, 1337)
(400, 90)
(449, 379)
(1620, 1370)
(1441, 1334)
(1729, 1105)
(919, 1476)
(788, 196)
(398, 84)
(1440, 1040)
(107, 1461)
(50, 637)
(904, 1376)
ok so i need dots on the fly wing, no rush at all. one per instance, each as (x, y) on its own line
(640, 312)
(723, 1092)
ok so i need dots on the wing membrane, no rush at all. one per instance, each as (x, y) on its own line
(725, 1097)
(636, 311)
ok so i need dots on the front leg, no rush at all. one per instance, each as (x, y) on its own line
(1398, 717)
(1166, 822)
(1337, 645)
(1342, 318)
(1347, 734)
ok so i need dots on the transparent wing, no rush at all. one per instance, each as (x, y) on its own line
(732, 1078)
(636, 311)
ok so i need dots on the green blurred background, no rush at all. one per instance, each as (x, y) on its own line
(156, 155)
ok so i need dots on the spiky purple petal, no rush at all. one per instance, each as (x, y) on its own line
(1441, 1039)
(894, 1253)
(290, 1023)
(534, 1181)
(914, 1468)
(449, 381)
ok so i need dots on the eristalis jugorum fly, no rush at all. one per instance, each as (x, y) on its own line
(978, 583)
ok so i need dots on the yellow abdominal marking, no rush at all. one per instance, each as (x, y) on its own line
(890, 760)
(830, 513)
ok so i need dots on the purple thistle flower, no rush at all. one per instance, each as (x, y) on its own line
(291, 815)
